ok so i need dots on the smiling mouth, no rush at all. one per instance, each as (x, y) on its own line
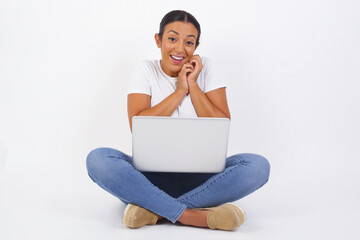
(176, 60)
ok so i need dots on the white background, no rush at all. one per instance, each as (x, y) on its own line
(292, 69)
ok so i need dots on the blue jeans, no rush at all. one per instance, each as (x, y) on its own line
(169, 194)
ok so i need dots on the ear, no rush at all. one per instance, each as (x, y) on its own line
(157, 40)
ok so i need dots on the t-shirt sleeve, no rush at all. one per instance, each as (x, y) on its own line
(140, 80)
(213, 80)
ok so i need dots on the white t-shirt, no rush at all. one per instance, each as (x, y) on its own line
(149, 78)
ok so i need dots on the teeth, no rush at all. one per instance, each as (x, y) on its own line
(177, 58)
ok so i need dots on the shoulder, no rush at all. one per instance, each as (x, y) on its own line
(209, 75)
(206, 61)
(146, 67)
(207, 65)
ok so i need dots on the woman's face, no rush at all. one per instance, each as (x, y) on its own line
(177, 45)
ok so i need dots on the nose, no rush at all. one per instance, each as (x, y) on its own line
(179, 47)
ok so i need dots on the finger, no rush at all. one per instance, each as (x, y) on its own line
(197, 62)
(186, 65)
(189, 66)
(194, 57)
(186, 70)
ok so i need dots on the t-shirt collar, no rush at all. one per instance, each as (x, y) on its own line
(164, 74)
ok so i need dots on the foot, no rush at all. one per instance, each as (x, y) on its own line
(159, 217)
(224, 217)
(195, 217)
(136, 216)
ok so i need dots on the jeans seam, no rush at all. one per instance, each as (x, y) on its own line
(227, 171)
(210, 183)
(178, 214)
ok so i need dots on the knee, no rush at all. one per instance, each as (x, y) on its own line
(257, 167)
(92, 161)
(95, 162)
(93, 158)
(103, 163)
(260, 167)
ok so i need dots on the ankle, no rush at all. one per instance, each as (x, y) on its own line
(159, 217)
(194, 217)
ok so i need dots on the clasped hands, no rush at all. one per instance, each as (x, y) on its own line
(189, 73)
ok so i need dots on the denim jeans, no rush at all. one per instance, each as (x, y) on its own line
(169, 194)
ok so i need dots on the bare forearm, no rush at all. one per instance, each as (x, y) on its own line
(203, 106)
(165, 107)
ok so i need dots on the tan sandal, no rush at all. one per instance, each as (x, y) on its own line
(136, 216)
(225, 217)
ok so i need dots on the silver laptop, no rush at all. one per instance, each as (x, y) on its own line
(164, 144)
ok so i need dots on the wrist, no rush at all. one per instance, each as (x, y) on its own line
(192, 85)
(181, 92)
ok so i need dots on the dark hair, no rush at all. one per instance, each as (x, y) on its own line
(182, 16)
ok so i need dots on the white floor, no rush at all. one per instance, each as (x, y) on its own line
(43, 205)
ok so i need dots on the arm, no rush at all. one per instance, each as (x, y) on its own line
(210, 104)
(139, 105)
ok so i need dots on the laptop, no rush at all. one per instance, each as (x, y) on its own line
(188, 145)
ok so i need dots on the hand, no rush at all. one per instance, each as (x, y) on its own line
(196, 66)
(182, 83)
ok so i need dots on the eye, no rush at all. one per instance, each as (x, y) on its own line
(189, 43)
(172, 39)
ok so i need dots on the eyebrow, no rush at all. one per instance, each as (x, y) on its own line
(178, 34)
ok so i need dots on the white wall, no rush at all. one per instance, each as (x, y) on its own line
(292, 69)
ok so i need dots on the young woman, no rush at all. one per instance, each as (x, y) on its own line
(181, 84)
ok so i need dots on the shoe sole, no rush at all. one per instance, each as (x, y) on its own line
(239, 212)
(130, 213)
(126, 212)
